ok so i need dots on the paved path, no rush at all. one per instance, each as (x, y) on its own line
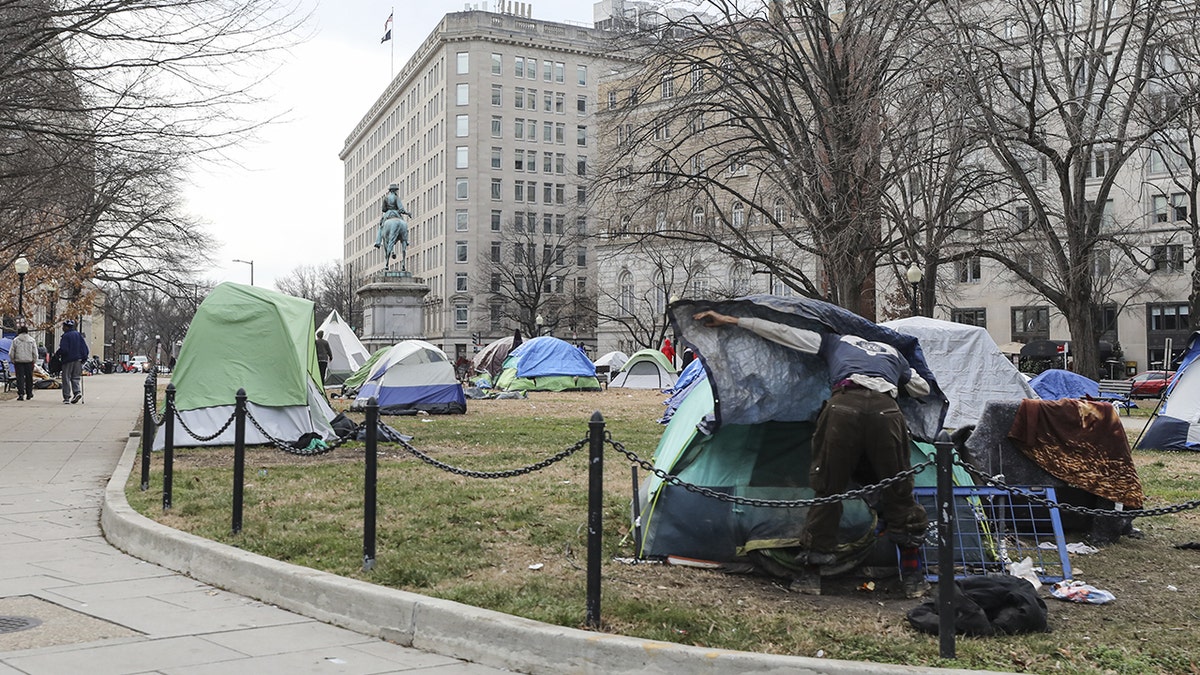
(105, 612)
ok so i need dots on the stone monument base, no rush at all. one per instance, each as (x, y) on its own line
(392, 309)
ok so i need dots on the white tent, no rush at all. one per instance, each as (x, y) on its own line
(348, 353)
(614, 361)
(967, 364)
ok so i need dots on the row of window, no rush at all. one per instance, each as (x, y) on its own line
(524, 252)
(522, 221)
(526, 67)
(527, 99)
(1163, 258)
(1033, 323)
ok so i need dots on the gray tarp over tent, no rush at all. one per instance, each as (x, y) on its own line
(749, 373)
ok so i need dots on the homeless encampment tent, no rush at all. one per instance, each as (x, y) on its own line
(490, 359)
(356, 379)
(546, 363)
(258, 340)
(413, 375)
(968, 365)
(1177, 424)
(1054, 384)
(612, 360)
(745, 431)
(349, 354)
(646, 369)
(5, 361)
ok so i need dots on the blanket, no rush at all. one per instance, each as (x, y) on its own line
(1082, 443)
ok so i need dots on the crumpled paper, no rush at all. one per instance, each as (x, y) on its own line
(1077, 591)
(1025, 570)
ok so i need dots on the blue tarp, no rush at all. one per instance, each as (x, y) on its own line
(547, 356)
(755, 380)
(5, 344)
(692, 375)
(1054, 384)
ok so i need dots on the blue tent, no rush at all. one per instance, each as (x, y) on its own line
(1176, 426)
(1054, 384)
(413, 376)
(546, 363)
(692, 375)
(5, 344)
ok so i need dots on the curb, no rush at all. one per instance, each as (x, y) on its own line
(431, 624)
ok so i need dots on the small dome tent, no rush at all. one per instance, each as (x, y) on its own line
(646, 369)
(546, 363)
(258, 340)
(413, 375)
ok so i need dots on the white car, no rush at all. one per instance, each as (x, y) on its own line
(140, 364)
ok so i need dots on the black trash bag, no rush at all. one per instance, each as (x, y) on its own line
(343, 426)
(988, 605)
(386, 434)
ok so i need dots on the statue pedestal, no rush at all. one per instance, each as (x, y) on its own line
(393, 309)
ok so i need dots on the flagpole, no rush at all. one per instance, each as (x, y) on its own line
(393, 76)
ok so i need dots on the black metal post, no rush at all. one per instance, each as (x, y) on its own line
(369, 501)
(239, 456)
(915, 291)
(168, 445)
(148, 429)
(20, 298)
(945, 516)
(595, 515)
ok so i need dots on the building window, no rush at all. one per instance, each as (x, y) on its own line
(780, 211)
(581, 75)
(972, 316)
(612, 100)
(496, 158)
(495, 251)
(581, 136)
(548, 102)
(460, 316)
(519, 160)
(1168, 317)
(560, 163)
(668, 87)
(1169, 209)
(530, 69)
(497, 126)
(497, 216)
(1166, 258)
(697, 75)
(581, 104)
(547, 193)
(519, 66)
(461, 126)
(460, 251)
(1030, 323)
(626, 293)
(519, 97)
(495, 189)
(519, 129)
(463, 63)
(462, 94)
(519, 221)
(581, 194)
(497, 95)
(497, 63)
(581, 165)
(531, 100)
(519, 191)
(460, 282)
(698, 217)
(460, 220)
(495, 282)
(1097, 163)
(547, 132)
(581, 225)
(460, 157)
(969, 270)
(739, 215)
(461, 188)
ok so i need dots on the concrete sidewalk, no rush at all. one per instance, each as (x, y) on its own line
(103, 611)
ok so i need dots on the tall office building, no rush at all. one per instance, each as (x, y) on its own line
(487, 130)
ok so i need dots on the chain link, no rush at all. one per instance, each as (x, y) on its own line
(203, 439)
(995, 481)
(509, 473)
(859, 493)
(288, 448)
(152, 405)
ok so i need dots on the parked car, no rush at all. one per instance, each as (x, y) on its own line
(139, 364)
(1151, 384)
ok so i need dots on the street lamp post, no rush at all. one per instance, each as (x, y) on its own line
(538, 321)
(22, 267)
(251, 264)
(914, 275)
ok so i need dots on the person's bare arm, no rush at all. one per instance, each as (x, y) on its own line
(802, 340)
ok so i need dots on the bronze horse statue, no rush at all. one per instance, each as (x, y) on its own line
(393, 228)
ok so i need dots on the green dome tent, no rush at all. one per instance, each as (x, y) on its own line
(258, 340)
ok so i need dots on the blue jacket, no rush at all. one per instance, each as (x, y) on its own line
(72, 346)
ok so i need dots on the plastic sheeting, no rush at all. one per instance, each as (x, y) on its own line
(755, 380)
(1054, 384)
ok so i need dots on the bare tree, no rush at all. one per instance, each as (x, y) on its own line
(324, 284)
(104, 105)
(535, 268)
(1059, 90)
(768, 117)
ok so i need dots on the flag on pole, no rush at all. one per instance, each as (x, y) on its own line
(387, 27)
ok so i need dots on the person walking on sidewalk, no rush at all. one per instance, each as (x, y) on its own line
(23, 353)
(73, 350)
(860, 434)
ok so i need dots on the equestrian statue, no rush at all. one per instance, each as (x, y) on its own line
(393, 227)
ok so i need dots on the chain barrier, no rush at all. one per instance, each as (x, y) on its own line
(290, 449)
(996, 482)
(858, 493)
(157, 418)
(508, 473)
(203, 439)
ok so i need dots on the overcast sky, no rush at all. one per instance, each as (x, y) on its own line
(278, 201)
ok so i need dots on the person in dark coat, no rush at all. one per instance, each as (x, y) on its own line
(73, 350)
(324, 354)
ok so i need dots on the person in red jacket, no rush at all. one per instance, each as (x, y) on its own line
(668, 351)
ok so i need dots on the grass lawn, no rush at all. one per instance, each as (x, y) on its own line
(518, 545)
